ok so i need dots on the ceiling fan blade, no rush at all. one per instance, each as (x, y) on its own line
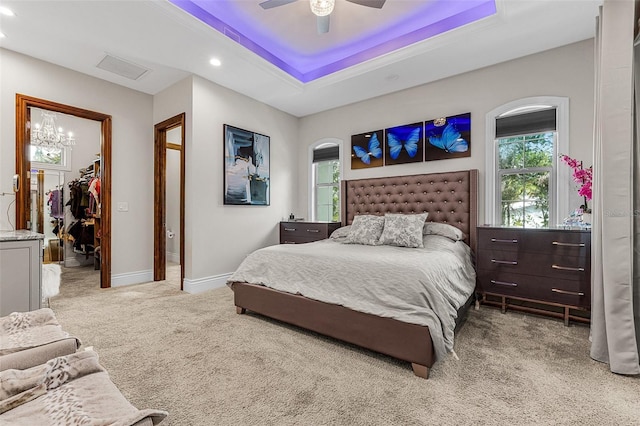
(275, 3)
(369, 3)
(323, 24)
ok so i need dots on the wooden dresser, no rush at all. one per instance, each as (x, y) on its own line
(306, 232)
(544, 271)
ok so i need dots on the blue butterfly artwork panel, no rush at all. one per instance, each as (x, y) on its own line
(366, 150)
(448, 137)
(404, 144)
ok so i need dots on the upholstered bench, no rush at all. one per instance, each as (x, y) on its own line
(32, 338)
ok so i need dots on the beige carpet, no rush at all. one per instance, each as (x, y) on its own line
(195, 357)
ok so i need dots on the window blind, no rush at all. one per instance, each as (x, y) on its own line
(522, 124)
(326, 154)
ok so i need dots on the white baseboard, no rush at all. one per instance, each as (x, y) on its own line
(119, 280)
(199, 285)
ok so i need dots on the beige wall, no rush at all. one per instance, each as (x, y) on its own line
(218, 237)
(223, 235)
(566, 71)
(174, 100)
(132, 240)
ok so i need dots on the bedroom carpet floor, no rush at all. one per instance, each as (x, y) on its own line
(193, 356)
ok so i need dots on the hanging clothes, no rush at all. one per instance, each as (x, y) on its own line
(94, 195)
(55, 204)
(79, 198)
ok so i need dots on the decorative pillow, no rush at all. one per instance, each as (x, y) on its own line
(365, 229)
(341, 233)
(443, 229)
(403, 230)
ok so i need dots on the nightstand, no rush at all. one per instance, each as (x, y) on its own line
(542, 271)
(305, 232)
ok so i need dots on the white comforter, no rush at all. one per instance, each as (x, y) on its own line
(424, 286)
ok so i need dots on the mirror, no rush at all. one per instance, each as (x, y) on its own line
(24, 106)
(172, 208)
(61, 174)
(47, 210)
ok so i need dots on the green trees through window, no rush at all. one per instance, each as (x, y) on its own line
(525, 167)
(327, 195)
(46, 155)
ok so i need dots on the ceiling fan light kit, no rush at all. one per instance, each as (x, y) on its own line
(322, 7)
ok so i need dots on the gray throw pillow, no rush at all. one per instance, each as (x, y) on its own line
(341, 233)
(443, 229)
(365, 229)
(403, 230)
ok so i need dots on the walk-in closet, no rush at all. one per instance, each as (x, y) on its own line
(65, 188)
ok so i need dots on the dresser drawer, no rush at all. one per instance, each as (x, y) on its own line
(568, 243)
(538, 264)
(569, 292)
(297, 239)
(493, 260)
(499, 239)
(305, 232)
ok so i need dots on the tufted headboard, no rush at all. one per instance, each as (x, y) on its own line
(450, 197)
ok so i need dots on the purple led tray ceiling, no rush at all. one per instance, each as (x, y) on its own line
(429, 19)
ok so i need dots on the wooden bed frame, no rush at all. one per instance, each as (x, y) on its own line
(449, 197)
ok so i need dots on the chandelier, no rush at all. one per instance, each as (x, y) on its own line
(46, 134)
(322, 7)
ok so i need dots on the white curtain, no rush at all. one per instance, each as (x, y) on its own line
(614, 326)
(636, 189)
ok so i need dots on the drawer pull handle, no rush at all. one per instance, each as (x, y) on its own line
(504, 262)
(567, 268)
(496, 240)
(289, 242)
(504, 283)
(558, 243)
(313, 230)
(573, 293)
(290, 229)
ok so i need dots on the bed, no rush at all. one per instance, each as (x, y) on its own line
(449, 198)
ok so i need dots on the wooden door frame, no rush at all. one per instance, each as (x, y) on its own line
(160, 197)
(23, 167)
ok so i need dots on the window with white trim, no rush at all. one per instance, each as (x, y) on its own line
(522, 174)
(42, 157)
(326, 183)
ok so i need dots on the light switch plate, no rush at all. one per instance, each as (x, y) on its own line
(123, 206)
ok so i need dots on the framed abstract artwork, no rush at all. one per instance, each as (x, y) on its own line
(366, 150)
(403, 144)
(448, 137)
(246, 167)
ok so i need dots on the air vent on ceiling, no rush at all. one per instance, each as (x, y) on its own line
(122, 67)
(232, 35)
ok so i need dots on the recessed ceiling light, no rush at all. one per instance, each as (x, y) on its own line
(215, 62)
(6, 11)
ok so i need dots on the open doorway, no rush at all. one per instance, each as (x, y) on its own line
(65, 188)
(169, 199)
(34, 183)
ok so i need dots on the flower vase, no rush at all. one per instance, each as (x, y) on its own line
(586, 218)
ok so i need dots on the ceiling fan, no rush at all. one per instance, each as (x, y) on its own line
(322, 9)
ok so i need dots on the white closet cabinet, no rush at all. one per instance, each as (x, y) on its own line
(20, 271)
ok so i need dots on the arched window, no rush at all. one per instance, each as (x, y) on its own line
(522, 178)
(325, 180)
